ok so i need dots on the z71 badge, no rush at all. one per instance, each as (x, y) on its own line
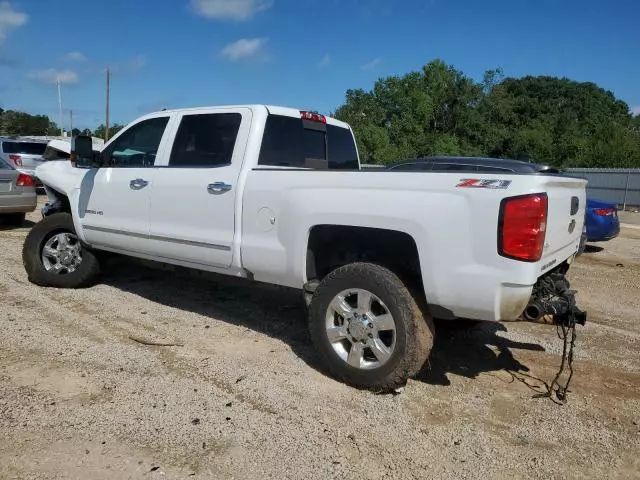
(483, 183)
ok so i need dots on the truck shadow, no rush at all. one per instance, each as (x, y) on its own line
(471, 348)
(4, 225)
(280, 313)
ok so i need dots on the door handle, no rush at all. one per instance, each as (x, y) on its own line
(138, 184)
(217, 188)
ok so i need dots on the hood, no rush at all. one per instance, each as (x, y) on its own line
(64, 144)
(61, 176)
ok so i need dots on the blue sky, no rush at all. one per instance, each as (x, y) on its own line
(302, 53)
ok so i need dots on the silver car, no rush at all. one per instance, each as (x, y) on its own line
(17, 195)
(24, 153)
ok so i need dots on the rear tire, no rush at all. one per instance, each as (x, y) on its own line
(82, 274)
(406, 346)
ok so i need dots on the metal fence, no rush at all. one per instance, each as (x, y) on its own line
(617, 185)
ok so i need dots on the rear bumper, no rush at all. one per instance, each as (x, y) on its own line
(600, 229)
(604, 233)
(18, 203)
(498, 295)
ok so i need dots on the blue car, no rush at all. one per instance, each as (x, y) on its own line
(601, 220)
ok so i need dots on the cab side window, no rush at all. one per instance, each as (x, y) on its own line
(205, 140)
(137, 146)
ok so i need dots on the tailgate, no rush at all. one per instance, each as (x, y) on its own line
(566, 214)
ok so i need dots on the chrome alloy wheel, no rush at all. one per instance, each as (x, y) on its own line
(62, 253)
(361, 329)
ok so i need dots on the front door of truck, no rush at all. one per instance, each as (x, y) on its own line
(114, 201)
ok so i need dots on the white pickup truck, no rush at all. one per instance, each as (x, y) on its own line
(277, 195)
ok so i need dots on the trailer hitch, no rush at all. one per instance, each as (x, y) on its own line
(554, 302)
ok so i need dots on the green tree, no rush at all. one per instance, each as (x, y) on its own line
(439, 110)
(113, 129)
(21, 123)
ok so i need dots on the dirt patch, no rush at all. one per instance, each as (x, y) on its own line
(246, 395)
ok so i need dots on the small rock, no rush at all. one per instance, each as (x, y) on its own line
(457, 442)
(228, 418)
(207, 326)
(195, 421)
(103, 442)
(204, 445)
(86, 452)
(228, 404)
(351, 437)
(153, 469)
(240, 378)
(143, 312)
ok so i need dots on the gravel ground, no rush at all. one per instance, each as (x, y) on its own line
(245, 396)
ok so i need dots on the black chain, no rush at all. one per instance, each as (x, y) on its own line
(566, 330)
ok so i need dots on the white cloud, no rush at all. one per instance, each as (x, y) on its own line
(10, 20)
(635, 110)
(245, 49)
(75, 57)
(229, 9)
(325, 62)
(371, 65)
(51, 75)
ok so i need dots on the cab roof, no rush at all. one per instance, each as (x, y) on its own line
(271, 109)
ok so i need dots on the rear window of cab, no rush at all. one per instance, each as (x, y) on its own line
(297, 143)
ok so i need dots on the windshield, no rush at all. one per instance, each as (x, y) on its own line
(24, 148)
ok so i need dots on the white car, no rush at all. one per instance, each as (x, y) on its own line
(276, 195)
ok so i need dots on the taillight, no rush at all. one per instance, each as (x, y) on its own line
(522, 227)
(16, 159)
(313, 116)
(24, 180)
(603, 212)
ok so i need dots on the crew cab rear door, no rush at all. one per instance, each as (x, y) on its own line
(194, 196)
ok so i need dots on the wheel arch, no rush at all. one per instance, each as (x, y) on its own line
(331, 246)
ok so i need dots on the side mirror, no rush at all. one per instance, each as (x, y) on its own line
(81, 151)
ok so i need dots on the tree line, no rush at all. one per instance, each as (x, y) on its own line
(440, 111)
(21, 123)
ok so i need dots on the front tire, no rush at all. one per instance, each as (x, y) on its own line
(368, 328)
(53, 256)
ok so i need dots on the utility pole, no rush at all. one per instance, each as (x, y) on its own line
(106, 130)
(60, 107)
(71, 121)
